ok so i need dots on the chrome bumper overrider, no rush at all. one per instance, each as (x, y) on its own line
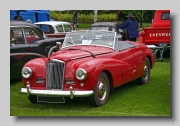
(71, 93)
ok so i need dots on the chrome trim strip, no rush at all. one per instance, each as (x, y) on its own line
(28, 90)
(90, 55)
(114, 41)
(71, 93)
(60, 61)
(23, 53)
(81, 57)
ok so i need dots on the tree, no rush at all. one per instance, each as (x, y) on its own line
(117, 13)
(95, 15)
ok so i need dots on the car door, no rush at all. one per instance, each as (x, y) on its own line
(129, 54)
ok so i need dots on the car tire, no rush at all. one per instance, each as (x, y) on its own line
(32, 99)
(145, 78)
(101, 91)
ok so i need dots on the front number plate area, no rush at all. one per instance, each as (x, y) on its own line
(50, 99)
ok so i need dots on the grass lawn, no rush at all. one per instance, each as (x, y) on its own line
(152, 99)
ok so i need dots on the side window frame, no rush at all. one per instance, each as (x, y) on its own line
(18, 36)
(164, 14)
(61, 27)
(65, 27)
(36, 34)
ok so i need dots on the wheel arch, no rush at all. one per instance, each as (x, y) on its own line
(110, 79)
(150, 60)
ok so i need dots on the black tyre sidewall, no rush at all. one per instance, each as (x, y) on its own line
(94, 99)
(141, 80)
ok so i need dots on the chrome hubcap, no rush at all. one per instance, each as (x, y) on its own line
(101, 89)
(146, 71)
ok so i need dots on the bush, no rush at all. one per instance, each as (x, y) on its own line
(82, 17)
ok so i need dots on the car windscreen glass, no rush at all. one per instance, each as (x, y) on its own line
(102, 38)
(121, 45)
(100, 28)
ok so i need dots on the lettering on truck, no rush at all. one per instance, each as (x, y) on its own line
(159, 34)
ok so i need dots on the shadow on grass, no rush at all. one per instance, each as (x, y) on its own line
(82, 103)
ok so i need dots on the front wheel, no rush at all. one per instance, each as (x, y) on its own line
(145, 78)
(101, 91)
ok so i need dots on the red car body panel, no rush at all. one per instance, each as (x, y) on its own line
(122, 66)
(159, 31)
(87, 64)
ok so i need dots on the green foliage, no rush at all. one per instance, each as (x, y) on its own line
(85, 17)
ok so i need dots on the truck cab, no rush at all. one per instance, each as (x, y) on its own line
(158, 33)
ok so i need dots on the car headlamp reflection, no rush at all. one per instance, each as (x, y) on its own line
(26, 72)
(81, 74)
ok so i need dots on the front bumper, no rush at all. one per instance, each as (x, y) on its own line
(71, 93)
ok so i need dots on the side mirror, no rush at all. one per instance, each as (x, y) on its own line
(59, 45)
(55, 48)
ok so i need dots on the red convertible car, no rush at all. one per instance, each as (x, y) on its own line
(87, 64)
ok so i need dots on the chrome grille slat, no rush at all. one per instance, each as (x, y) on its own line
(55, 74)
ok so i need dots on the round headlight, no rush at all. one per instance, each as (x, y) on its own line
(81, 74)
(26, 72)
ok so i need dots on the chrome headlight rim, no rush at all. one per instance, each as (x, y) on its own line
(26, 72)
(81, 74)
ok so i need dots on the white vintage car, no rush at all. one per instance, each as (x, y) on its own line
(55, 29)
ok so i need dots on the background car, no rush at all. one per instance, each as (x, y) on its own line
(27, 41)
(88, 64)
(55, 29)
(108, 26)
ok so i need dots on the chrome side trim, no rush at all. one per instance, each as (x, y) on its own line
(90, 55)
(71, 93)
(26, 53)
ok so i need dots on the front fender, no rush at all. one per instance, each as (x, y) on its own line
(95, 66)
(38, 67)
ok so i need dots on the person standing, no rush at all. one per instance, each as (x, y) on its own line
(18, 17)
(131, 27)
(75, 18)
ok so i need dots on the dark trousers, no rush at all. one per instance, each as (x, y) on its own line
(132, 39)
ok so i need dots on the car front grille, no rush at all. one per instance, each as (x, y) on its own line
(55, 74)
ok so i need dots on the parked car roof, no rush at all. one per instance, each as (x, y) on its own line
(52, 22)
(23, 23)
(104, 24)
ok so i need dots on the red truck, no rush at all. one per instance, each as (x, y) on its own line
(158, 33)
